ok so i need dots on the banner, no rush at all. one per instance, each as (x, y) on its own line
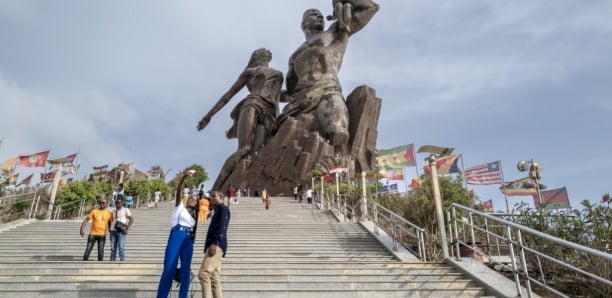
(486, 174)
(26, 181)
(47, 177)
(34, 160)
(392, 188)
(338, 169)
(520, 187)
(445, 165)
(396, 158)
(392, 174)
(553, 199)
(487, 206)
(9, 164)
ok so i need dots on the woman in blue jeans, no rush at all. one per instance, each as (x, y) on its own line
(117, 237)
(180, 243)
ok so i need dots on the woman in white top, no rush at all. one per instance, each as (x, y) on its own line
(180, 243)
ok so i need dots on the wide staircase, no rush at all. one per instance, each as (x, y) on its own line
(291, 250)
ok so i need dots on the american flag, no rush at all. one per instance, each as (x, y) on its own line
(485, 174)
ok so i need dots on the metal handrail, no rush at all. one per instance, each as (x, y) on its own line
(59, 207)
(398, 227)
(30, 211)
(513, 236)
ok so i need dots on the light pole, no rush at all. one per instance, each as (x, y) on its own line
(535, 172)
(436, 150)
(438, 204)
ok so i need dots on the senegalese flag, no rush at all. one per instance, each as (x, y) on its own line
(396, 158)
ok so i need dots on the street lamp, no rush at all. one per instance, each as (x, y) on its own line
(440, 151)
(535, 172)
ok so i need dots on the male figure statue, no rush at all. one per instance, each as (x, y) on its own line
(312, 78)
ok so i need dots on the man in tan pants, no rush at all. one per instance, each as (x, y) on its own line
(214, 248)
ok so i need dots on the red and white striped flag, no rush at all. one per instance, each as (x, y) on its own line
(485, 174)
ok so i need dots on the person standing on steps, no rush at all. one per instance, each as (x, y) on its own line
(122, 216)
(180, 243)
(215, 248)
(100, 219)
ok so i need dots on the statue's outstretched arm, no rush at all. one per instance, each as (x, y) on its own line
(363, 11)
(235, 88)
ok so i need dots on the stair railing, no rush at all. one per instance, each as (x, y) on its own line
(524, 247)
(77, 207)
(10, 206)
(403, 232)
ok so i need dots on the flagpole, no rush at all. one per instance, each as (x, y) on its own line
(463, 170)
(76, 170)
(404, 176)
(56, 179)
(501, 170)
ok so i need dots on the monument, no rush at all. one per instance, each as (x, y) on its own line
(316, 125)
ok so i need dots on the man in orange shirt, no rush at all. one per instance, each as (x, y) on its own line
(100, 218)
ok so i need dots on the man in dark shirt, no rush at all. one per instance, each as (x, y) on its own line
(214, 248)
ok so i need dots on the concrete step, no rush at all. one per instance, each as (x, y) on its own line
(291, 250)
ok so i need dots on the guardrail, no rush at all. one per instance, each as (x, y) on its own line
(475, 231)
(411, 236)
(9, 203)
(402, 232)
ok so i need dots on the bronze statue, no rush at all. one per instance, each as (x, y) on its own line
(312, 78)
(254, 116)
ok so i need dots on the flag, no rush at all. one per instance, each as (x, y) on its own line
(487, 206)
(47, 177)
(445, 165)
(65, 181)
(12, 179)
(70, 169)
(34, 160)
(100, 168)
(414, 184)
(26, 181)
(127, 167)
(485, 174)
(97, 176)
(392, 174)
(112, 175)
(327, 177)
(396, 158)
(9, 164)
(338, 169)
(392, 188)
(520, 187)
(553, 199)
(71, 157)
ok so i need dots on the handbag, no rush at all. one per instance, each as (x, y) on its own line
(120, 226)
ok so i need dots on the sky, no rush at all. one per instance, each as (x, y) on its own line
(127, 81)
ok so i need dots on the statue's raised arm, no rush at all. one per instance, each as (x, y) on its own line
(360, 14)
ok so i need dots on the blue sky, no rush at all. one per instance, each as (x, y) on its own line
(127, 81)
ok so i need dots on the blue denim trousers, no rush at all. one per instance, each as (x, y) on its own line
(117, 241)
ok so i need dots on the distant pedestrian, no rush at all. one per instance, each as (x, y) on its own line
(309, 195)
(100, 218)
(157, 197)
(265, 197)
(229, 193)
